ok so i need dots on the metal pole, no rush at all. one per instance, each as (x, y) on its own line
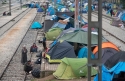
(98, 25)
(76, 13)
(21, 4)
(81, 13)
(10, 7)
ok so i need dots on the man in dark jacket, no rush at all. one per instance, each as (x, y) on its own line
(28, 67)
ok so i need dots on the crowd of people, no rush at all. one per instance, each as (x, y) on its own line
(28, 65)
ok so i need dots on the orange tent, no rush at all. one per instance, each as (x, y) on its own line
(106, 45)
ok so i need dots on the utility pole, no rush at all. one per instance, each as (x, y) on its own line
(95, 24)
(76, 13)
(10, 7)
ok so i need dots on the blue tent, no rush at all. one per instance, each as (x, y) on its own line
(113, 66)
(37, 6)
(32, 5)
(108, 74)
(51, 11)
(40, 10)
(83, 53)
(58, 1)
(36, 25)
(122, 17)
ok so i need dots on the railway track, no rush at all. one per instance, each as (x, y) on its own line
(14, 69)
(108, 35)
(12, 22)
(12, 10)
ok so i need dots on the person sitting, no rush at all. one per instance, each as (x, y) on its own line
(28, 67)
(9, 13)
(33, 48)
(4, 13)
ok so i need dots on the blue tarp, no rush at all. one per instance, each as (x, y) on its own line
(108, 74)
(36, 25)
(84, 10)
(83, 53)
(53, 43)
(65, 16)
(60, 25)
(69, 25)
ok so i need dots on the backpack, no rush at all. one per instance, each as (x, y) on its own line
(38, 61)
(36, 73)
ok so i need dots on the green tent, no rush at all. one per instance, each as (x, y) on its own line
(79, 36)
(53, 33)
(71, 68)
(72, 9)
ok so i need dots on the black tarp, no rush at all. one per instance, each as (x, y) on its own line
(106, 53)
(114, 59)
(60, 14)
(48, 25)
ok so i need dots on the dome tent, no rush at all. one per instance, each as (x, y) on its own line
(36, 25)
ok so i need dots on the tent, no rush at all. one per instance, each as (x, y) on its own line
(113, 66)
(71, 68)
(59, 51)
(40, 10)
(116, 22)
(48, 24)
(108, 49)
(51, 11)
(117, 13)
(83, 53)
(122, 17)
(66, 31)
(70, 30)
(72, 9)
(53, 33)
(60, 25)
(36, 25)
(79, 36)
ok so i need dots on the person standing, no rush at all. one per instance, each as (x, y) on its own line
(111, 12)
(24, 55)
(44, 42)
